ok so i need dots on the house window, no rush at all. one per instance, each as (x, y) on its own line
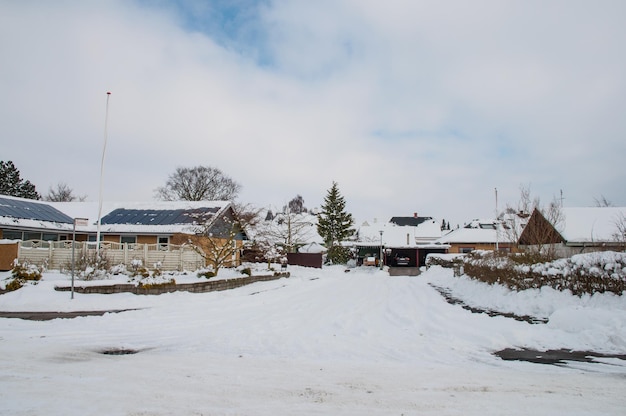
(32, 236)
(49, 237)
(129, 240)
(163, 243)
(12, 234)
(466, 249)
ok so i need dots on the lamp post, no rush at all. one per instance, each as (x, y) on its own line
(381, 249)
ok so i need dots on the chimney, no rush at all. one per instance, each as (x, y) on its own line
(415, 215)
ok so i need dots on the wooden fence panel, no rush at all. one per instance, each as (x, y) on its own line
(58, 254)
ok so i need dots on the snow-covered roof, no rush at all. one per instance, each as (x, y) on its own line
(312, 248)
(399, 236)
(477, 231)
(473, 235)
(590, 224)
(90, 211)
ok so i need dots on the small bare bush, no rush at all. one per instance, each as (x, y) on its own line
(90, 266)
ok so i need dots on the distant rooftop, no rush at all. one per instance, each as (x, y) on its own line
(413, 221)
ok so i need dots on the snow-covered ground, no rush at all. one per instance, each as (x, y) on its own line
(321, 342)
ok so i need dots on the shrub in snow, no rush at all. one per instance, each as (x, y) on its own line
(118, 269)
(23, 273)
(447, 261)
(140, 272)
(147, 283)
(206, 273)
(583, 273)
(338, 255)
(26, 271)
(89, 265)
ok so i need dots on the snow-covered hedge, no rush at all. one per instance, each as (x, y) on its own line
(448, 261)
(582, 273)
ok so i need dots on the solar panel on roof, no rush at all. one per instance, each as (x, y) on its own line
(32, 211)
(156, 216)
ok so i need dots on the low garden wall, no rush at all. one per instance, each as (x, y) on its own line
(157, 289)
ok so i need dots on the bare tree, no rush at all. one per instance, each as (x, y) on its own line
(287, 229)
(514, 219)
(62, 193)
(535, 229)
(219, 241)
(200, 183)
(296, 205)
(620, 230)
(542, 234)
(247, 215)
(602, 202)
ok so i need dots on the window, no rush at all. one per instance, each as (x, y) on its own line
(32, 236)
(163, 243)
(12, 234)
(466, 249)
(50, 237)
(129, 240)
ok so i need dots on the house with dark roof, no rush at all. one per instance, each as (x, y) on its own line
(413, 221)
(401, 242)
(130, 227)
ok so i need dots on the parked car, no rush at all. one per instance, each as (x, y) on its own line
(369, 261)
(402, 261)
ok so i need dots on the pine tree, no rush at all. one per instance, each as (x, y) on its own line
(334, 224)
(11, 184)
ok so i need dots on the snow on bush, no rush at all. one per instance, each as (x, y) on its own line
(583, 273)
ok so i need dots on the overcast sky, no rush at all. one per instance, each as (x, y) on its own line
(411, 106)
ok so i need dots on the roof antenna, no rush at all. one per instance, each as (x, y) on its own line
(104, 148)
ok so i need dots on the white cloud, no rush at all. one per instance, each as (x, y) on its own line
(410, 106)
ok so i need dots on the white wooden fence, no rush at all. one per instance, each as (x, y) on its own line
(58, 254)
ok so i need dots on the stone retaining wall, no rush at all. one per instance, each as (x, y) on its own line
(201, 287)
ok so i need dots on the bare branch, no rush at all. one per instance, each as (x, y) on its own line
(602, 202)
(201, 183)
(62, 193)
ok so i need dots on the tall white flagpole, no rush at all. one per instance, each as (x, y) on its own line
(104, 148)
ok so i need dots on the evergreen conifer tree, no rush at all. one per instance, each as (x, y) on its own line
(11, 184)
(334, 225)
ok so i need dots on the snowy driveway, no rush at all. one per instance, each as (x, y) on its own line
(320, 342)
